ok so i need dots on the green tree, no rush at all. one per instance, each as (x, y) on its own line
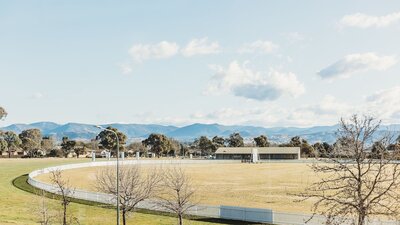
(109, 141)
(184, 150)
(48, 143)
(3, 145)
(80, 148)
(137, 147)
(12, 140)
(158, 143)
(31, 141)
(175, 147)
(319, 149)
(327, 148)
(295, 141)
(378, 150)
(235, 140)
(67, 146)
(261, 141)
(218, 142)
(205, 145)
(3, 113)
(306, 149)
(394, 147)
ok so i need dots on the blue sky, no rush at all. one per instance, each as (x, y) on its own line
(269, 63)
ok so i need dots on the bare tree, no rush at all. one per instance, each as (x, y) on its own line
(43, 210)
(134, 186)
(64, 190)
(178, 192)
(356, 183)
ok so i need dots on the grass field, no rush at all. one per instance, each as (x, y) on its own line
(267, 185)
(18, 206)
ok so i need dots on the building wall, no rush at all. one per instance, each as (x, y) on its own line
(233, 156)
(278, 156)
(261, 156)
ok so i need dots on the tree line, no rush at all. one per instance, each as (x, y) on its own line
(34, 144)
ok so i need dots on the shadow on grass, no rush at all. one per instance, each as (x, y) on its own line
(21, 183)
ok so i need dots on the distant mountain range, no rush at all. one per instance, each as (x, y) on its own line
(190, 132)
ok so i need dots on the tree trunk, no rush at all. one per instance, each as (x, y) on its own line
(180, 219)
(123, 217)
(65, 214)
(361, 219)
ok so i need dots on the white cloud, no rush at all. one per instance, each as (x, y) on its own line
(200, 47)
(365, 21)
(125, 68)
(271, 114)
(244, 82)
(258, 47)
(163, 49)
(294, 37)
(354, 63)
(37, 95)
(329, 105)
(384, 104)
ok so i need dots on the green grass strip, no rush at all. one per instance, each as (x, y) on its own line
(21, 183)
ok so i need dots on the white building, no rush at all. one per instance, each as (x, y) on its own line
(264, 153)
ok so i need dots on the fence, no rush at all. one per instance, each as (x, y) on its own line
(223, 212)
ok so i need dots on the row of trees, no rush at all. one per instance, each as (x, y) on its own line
(34, 144)
(169, 188)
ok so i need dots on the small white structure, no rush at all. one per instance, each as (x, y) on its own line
(108, 155)
(93, 156)
(254, 155)
(137, 155)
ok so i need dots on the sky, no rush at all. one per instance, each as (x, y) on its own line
(264, 63)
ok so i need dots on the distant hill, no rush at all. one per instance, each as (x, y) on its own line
(190, 132)
(89, 131)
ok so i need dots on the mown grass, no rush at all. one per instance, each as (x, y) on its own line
(19, 205)
(264, 185)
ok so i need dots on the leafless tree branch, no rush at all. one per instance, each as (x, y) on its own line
(359, 178)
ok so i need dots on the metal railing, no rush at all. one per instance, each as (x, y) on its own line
(223, 212)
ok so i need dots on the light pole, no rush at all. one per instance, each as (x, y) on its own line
(116, 135)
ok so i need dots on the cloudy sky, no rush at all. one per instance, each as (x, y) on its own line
(268, 63)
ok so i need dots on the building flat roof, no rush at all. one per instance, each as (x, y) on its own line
(261, 150)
